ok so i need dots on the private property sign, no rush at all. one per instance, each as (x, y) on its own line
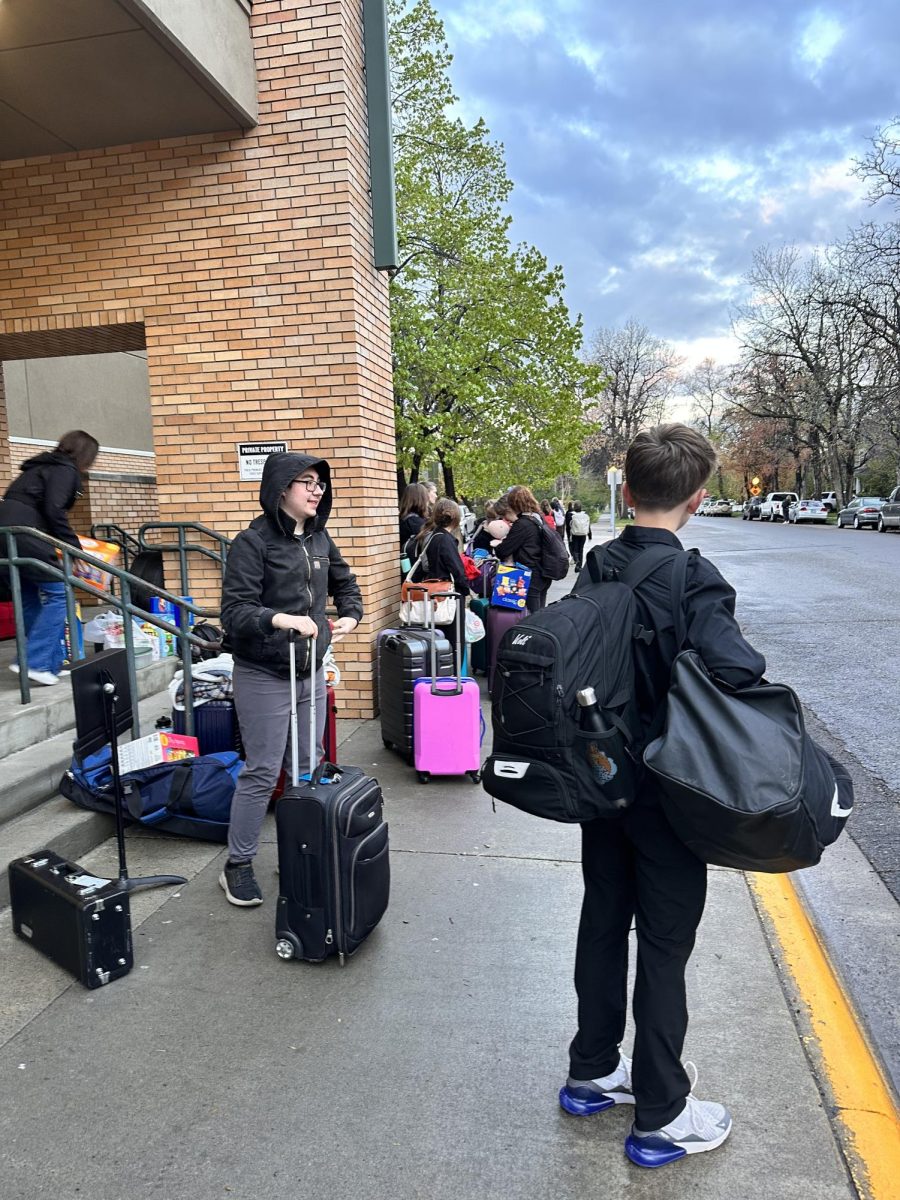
(252, 457)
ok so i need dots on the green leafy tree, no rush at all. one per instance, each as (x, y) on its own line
(487, 376)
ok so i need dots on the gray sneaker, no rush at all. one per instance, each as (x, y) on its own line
(701, 1125)
(239, 884)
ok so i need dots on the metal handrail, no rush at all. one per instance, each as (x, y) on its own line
(123, 604)
(127, 542)
(182, 547)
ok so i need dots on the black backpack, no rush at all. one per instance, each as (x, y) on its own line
(554, 557)
(542, 761)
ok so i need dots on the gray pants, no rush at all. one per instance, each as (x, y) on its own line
(263, 704)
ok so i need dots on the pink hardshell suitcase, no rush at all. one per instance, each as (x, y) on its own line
(447, 723)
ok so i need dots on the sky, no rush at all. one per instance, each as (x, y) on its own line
(654, 145)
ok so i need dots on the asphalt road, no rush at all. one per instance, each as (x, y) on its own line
(823, 605)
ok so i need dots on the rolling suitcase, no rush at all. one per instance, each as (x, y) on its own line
(215, 726)
(80, 921)
(333, 866)
(402, 659)
(447, 723)
(498, 621)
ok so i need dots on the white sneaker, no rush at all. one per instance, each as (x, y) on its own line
(582, 1097)
(701, 1125)
(47, 678)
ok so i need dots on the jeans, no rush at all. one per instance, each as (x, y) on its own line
(44, 612)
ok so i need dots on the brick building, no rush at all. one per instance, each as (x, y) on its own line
(199, 190)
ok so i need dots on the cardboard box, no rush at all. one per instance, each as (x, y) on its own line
(156, 748)
(510, 587)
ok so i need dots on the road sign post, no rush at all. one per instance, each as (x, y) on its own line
(613, 478)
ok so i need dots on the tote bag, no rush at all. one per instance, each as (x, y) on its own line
(417, 598)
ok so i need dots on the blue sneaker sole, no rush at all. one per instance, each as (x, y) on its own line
(652, 1152)
(578, 1106)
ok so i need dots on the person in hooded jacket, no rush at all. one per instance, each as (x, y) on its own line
(41, 497)
(278, 576)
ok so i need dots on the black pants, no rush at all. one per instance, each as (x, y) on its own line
(536, 598)
(576, 543)
(635, 867)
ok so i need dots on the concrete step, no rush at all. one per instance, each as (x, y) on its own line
(30, 776)
(51, 711)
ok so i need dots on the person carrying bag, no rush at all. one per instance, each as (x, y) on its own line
(437, 563)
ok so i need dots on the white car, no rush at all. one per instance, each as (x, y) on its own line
(813, 511)
(719, 508)
(703, 508)
(772, 508)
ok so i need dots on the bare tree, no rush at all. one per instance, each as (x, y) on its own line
(707, 387)
(641, 373)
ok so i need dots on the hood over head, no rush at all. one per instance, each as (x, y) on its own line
(55, 457)
(279, 471)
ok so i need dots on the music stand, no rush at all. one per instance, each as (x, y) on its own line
(102, 694)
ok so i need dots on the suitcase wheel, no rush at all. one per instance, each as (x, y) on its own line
(285, 948)
(424, 776)
(475, 776)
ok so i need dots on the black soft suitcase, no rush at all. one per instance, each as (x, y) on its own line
(403, 657)
(80, 921)
(333, 867)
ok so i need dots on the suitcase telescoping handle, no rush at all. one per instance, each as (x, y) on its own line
(458, 620)
(295, 732)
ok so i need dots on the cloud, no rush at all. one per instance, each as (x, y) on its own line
(655, 146)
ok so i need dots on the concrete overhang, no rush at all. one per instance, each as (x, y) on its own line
(82, 74)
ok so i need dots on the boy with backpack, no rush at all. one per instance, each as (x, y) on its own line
(634, 866)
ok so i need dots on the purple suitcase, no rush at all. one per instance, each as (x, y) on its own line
(447, 724)
(498, 621)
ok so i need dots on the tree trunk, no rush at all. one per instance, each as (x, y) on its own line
(401, 481)
(449, 485)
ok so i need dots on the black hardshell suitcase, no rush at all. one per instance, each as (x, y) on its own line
(404, 657)
(215, 726)
(80, 921)
(333, 866)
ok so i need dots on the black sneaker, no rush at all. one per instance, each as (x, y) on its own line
(239, 884)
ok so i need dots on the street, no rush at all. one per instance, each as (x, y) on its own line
(821, 604)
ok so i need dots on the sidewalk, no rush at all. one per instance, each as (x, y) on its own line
(427, 1067)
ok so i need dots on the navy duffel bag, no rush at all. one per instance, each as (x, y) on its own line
(743, 784)
(190, 797)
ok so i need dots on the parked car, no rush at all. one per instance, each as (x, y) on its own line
(864, 510)
(719, 508)
(736, 508)
(830, 500)
(751, 509)
(703, 508)
(772, 508)
(808, 510)
(889, 517)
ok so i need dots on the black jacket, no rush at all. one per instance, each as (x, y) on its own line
(410, 525)
(710, 625)
(41, 496)
(481, 539)
(442, 560)
(523, 545)
(272, 568)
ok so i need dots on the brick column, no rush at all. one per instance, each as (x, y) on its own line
(5, 464)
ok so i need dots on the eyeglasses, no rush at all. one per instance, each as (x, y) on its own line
(312, 485)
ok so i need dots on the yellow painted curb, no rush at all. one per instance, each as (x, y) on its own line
(864, 1102)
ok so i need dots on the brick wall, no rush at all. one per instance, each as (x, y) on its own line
(247, 261)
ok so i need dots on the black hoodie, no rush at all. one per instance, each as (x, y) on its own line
(40, 497)
(272, 567)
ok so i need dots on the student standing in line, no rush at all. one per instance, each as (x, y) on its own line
(438, 546)
(523, 543)
(279, 574)
(41, 497)
(635, 868)
(580, 532)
